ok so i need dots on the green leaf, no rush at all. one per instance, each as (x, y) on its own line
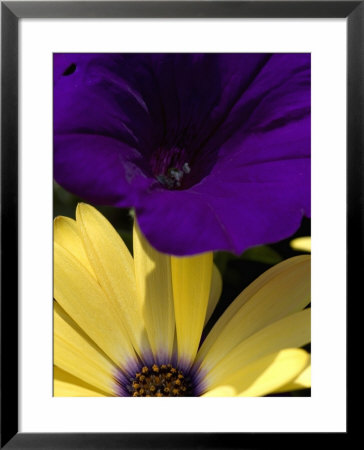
(221, 259)
(263, 254)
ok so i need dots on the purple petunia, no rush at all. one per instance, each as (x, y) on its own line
(212, 150)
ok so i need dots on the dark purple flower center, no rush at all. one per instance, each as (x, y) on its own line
(170, 166)
(160, 381)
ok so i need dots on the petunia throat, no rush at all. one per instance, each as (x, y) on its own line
(170, 166)
(160, 381)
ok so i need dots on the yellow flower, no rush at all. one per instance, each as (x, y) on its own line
(127, 326)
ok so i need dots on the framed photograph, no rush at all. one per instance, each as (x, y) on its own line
(161, 162)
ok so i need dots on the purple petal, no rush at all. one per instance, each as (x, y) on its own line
(232, 211)
(117, 180)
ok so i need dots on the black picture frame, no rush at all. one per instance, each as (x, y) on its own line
(11, 12)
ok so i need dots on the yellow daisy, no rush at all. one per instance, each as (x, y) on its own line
(132, 326)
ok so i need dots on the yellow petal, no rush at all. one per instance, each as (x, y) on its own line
(302, 381)
(66, 385)
(74, 353)
(66, 234)
(83, 299)
(289, 332)
(114, 269)
(301, 244)
(191, 277)
(263, 376)
(215, 292)
(279, 292)
(154, 286)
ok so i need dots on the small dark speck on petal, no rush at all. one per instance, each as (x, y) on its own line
(70, 70)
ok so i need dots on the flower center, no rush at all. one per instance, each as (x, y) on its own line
(170, 166)
(160, 381)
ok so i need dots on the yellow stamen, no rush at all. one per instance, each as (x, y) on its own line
(160, 381)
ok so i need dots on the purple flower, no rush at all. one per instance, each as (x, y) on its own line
(212, 150)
